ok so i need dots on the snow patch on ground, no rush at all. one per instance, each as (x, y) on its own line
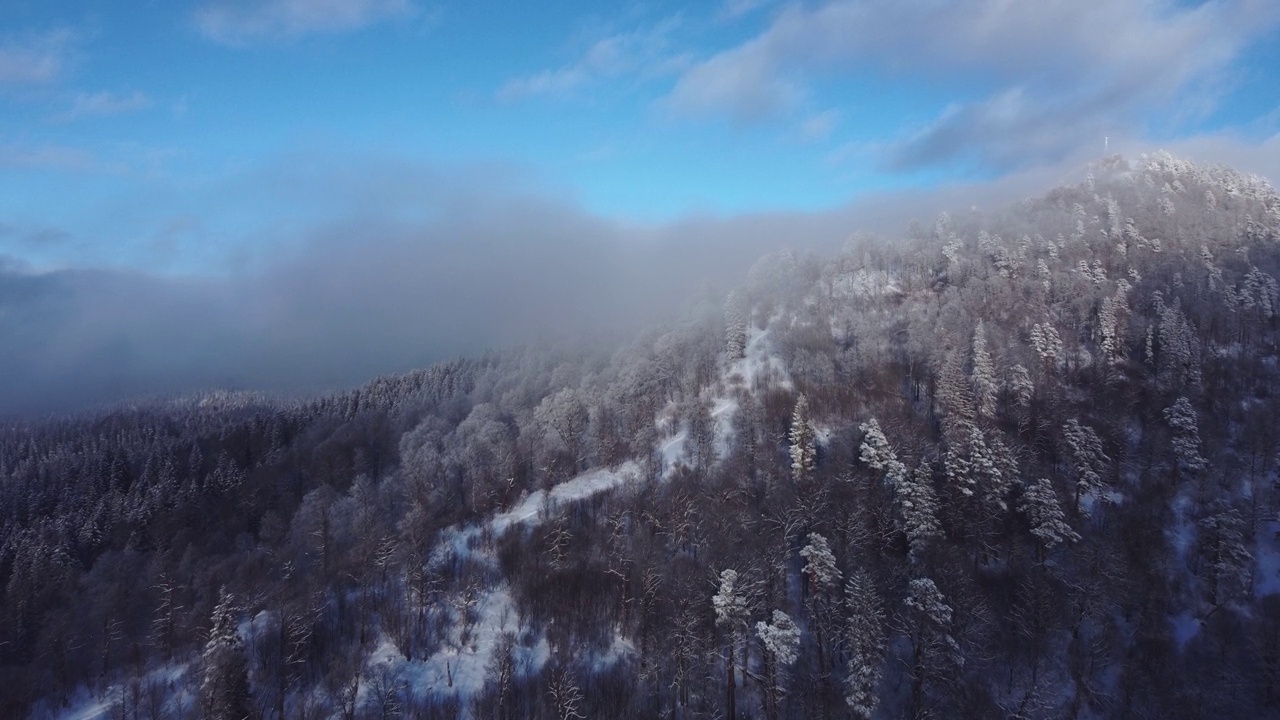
(99, 707)
(671, 450)
(1267, 552)
(579, 488)
(759, 362)
(620, 648)
(1185, 627)
(84, 705)
(462, 665)
(758, 366)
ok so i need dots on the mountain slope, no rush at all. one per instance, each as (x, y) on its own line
(1019, 464)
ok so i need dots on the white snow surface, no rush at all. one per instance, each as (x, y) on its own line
(759, 364)
(462, 665)
(99, 707)
(579, 488)
(85, 706)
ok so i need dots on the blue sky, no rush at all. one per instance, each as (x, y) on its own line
(186, 136)
(297, 195)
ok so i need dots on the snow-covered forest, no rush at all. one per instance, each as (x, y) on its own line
(1014, 464)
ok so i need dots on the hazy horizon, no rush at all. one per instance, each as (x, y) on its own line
(290, 196)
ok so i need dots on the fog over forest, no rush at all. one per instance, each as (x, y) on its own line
(740, 360)
(1019, 463)
(362, 297)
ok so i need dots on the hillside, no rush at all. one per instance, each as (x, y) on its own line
(1016, 464)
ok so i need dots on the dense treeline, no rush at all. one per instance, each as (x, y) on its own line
(1011, 465)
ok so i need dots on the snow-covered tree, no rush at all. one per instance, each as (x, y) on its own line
(735, 327)
(918, 510)
(1186, 436)
(1047, 343)
(875, 450)
(566, 696)
(1176, 348)
(820, 563)
(564, 416)
(864, 642)
(1226, 563)
(1021, 386)
(1261, 292)
(731, 609)
(992, 468)
(956, 465)
(804, 453)
(781, 638)
(917, 504)
(1039, 503)
(224, 687)
(781, 641)
(985, 387)
(729, 603)
(932, 622)
(955, 391)
(1111, 323)
(1087, 459)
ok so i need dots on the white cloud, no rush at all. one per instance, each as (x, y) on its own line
(1058, 69)
(742, 83)
(106, 103)
(1258, 157)
(241, 22)
(734, 9)
(819, 127)
(35, 59)
(641, 52)
(56, 158)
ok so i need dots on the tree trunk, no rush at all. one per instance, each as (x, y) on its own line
(731, 710)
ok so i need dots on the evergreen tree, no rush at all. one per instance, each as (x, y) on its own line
(781, 638)
(875, 450)
(916, 503)
(735, 327)
(1039, 503)
(820, 564)
(864, 642)
(804, 451)
(1021, 387)
(1088, 461)
(224, 689)
(731, 611)
(1047, 343)
(1226, 563)
(1186, 436)
(985, 387)
(781, 641)
(918, 510)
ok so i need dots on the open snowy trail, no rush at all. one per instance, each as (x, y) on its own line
(581, 487)
(759, 361)
(461, 666)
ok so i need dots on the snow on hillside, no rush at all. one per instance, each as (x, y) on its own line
(759, 364)
(461, 667)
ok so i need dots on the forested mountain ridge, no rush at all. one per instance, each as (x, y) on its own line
(1019, 464)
